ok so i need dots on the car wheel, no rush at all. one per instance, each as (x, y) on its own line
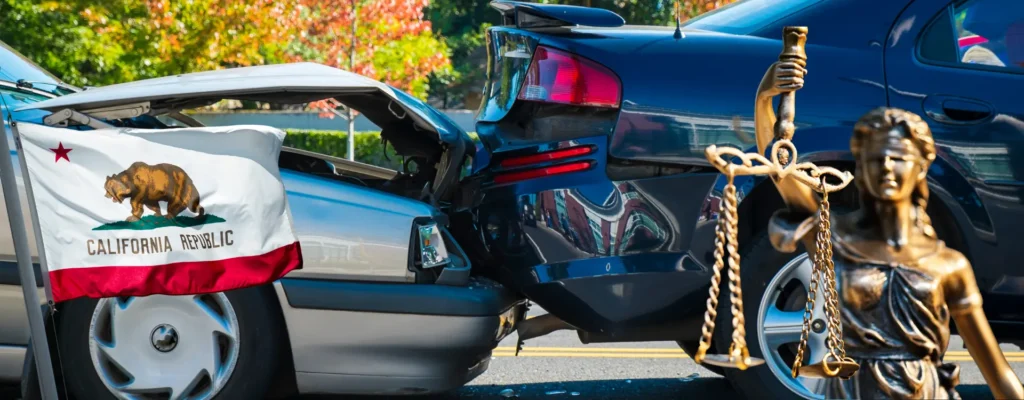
(219, 345)
(774, 296)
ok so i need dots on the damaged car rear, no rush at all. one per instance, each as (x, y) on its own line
(386, 302)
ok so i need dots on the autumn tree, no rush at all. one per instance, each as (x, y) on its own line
(693, 8)
(91, 42)
(98, 42)
(56, 36)
(386, 40)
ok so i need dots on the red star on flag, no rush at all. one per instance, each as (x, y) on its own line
(60, 152)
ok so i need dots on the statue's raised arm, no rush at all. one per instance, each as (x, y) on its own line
(783, 79)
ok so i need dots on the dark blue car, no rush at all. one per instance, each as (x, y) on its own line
(603, 127)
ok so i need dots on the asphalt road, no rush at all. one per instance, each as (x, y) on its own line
(558, 366)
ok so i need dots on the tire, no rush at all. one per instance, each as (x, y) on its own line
(690, 348)
(763, 266)
(260, 329)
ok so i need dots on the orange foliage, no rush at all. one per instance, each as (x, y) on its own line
(693, 8)
(328, 34)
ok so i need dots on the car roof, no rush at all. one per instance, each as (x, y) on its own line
(315, 80)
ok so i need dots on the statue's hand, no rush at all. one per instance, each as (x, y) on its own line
(782, 77)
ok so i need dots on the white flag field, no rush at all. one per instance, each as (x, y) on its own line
(136, 212)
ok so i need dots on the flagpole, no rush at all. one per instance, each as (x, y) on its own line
(30, 195)
(40, 345)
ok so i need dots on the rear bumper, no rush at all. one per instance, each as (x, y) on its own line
(393, 339)
(613, 297)
(606, 256)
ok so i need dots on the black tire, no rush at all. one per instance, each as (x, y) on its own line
(261, 331)
(760, 263)
(690, 348)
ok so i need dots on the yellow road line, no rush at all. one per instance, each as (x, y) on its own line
(1016, 359)
(671, 350)
(593, 349)
(588, 355)
(625, 352)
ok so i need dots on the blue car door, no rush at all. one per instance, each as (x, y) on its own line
(960, 65)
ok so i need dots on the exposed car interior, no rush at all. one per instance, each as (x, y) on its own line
(425, 159)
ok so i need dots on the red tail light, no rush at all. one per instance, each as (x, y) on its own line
(556, 76)
(547, 156)
(541, 172)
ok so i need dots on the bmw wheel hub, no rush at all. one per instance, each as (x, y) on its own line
(175, 347)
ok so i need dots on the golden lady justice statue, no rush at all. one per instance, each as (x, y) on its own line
(897, 283)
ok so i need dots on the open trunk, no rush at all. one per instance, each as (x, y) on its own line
(434, 147)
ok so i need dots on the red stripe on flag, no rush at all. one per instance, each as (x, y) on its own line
(183, 278)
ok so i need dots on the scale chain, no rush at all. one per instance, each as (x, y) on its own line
(812, 291)
(824, 268)
(712, 311)
(837, 346)
(739, 338)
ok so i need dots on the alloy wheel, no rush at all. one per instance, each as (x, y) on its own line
(167, 347)
(780, 323)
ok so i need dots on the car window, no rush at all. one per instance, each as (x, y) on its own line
(982, 34)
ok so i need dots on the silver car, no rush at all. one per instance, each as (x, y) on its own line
(373, 310)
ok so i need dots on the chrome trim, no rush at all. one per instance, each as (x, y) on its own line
(119, 111)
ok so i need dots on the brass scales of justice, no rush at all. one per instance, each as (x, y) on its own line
(781, 167)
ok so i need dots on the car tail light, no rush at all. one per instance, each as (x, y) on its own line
(516, 176)
(556, 76)
(432, 250)
(547, 156)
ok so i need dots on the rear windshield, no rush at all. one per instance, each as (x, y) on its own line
(746, 16)
(15, 67)
(12, 99)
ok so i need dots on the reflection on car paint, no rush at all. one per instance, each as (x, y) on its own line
(667, 135)
(622, 223)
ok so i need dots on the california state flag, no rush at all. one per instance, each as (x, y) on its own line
(135, 212)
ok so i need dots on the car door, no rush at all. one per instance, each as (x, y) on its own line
(960, 65)
(14, 332)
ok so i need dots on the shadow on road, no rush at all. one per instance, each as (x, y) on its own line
(647, 389)
(652, 389)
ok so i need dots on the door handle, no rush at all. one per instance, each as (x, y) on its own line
(957, 110)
